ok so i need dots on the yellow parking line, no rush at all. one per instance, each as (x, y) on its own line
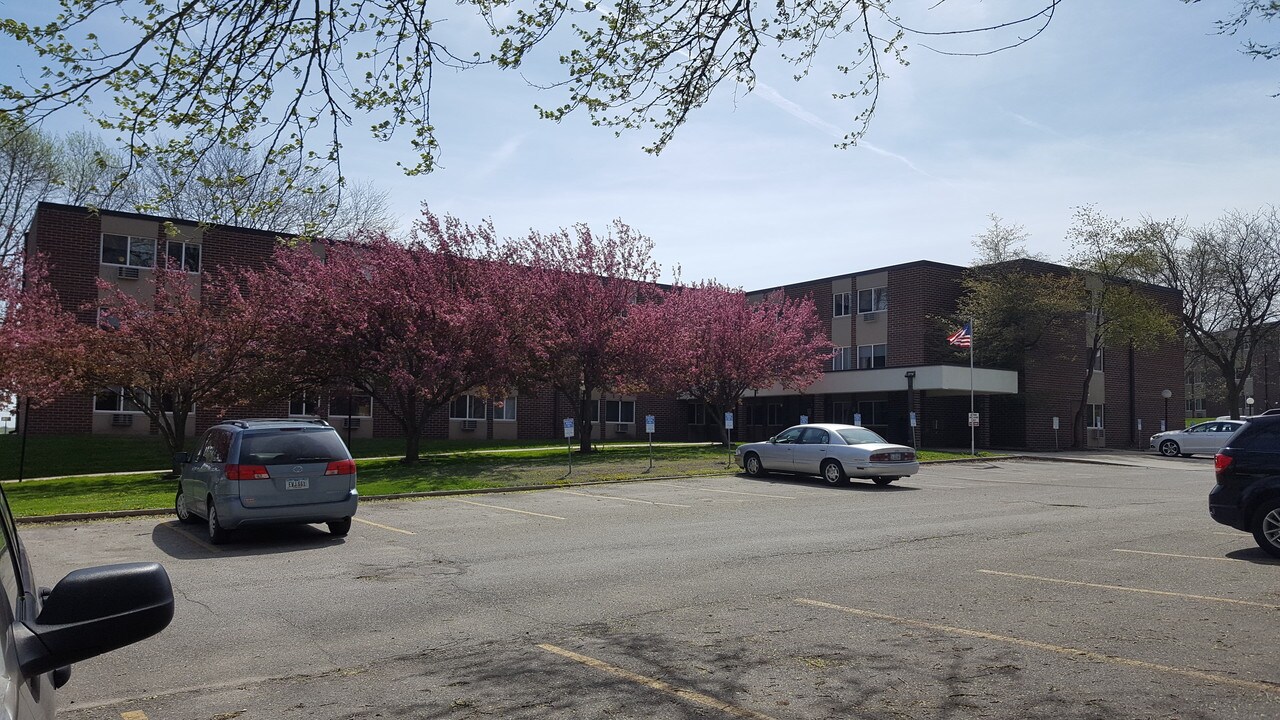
(1129, 589)
(615, 497)
(384, 527)
(1196, 557)
(133, 715)
(731, 492)
(499, 507)
(1061, 650)
(659, 685)
(177, 529)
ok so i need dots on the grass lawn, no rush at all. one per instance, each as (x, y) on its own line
(442, 470)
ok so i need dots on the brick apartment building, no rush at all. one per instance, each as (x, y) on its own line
(892, 359)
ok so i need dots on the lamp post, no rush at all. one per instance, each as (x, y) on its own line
(1248, 404)
(1166, 394)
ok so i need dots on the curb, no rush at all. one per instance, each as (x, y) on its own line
(115, 514)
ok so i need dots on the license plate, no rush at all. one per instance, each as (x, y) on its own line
(297, 484)
(895, 456)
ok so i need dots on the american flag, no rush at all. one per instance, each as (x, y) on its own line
(962, 337)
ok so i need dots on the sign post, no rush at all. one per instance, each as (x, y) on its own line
(973, 423)
(648, 428)
(568, 441)
(1055, 432)
(728, 433)
(911, 420)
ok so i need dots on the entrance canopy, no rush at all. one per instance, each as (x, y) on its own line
(937, 379)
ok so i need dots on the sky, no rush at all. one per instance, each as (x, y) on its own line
(1138, 107)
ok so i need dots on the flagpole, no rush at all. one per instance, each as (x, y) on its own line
(973, 449)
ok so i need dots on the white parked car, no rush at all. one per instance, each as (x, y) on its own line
(1205, 438)
(835, 452)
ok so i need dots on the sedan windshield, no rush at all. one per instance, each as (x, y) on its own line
(859, 436)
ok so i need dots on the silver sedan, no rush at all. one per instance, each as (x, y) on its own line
(834, 452)
(1206, 438)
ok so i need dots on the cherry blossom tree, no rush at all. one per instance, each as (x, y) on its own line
(585, 285)
(44, 352)
(719, 343)
(195, 341)
(412, 325)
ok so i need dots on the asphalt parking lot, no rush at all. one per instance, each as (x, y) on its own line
(1008, 589)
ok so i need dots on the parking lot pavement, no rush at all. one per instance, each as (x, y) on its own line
(1001, 589)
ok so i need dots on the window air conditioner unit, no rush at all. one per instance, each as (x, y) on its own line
(121, 420)
(468, 425)
(127, 273)
(353, 423)
(868, 317)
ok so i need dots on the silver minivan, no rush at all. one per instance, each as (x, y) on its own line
(267, 471)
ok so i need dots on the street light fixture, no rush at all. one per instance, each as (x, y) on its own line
(1248, 404)
(1166, 394)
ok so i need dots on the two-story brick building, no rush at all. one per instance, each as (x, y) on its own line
(891, 359)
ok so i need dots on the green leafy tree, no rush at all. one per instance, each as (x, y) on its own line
(176, 78)
(1117, 311)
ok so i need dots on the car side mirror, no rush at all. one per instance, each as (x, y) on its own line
(93, 611)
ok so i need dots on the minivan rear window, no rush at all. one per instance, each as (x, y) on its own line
(290, 447)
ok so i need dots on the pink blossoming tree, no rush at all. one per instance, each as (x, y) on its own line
(718, 344)
(586, 284)
(44, 352)
(414, 325)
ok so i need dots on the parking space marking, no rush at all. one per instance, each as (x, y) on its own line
(1188, 596)
(1197, 557)
(175, 528)
(615, 497)
(655, 684)
(384, 527)
(1266, 687)
(499, 507)
(133, 715)
(731, 492)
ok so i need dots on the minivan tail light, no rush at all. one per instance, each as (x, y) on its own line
(247, 472)
(341, 467)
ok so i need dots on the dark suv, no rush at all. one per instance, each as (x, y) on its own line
(1247, 496)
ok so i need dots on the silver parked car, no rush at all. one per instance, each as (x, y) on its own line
(267, 471)
(1205, 438)
(835, 452)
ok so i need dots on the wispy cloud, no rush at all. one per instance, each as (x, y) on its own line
(496, 159)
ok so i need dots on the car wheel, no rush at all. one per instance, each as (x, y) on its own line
(754, 467)
(1266, 527)
(883, 480)
(217, 533)
(833, 472)
(1169, 448)
(340, 528)
(181, 510)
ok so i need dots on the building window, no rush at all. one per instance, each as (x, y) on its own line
(114, 400)
(871, 356)
(505, 409)
(1097, 362)
(620, 411)
(842, 358)
(1195, 407)
(351, 405)
(840, 304)
(874, 412)
(841, 411)
(697, 414)
(873, 300)
(466, 407)
(1094, 415)
(595, 411)
(304, 403)
(129, 251)
(182, 256)
(167, 404)
(775, 413)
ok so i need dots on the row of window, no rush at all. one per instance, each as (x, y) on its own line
(869, 357)
(140, 252)
(869, 300)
